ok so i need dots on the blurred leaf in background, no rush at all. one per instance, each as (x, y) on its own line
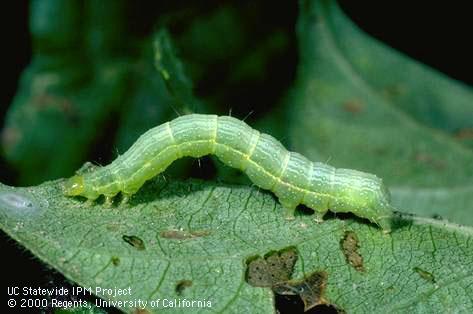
(69, 90)
(357, 104)
(92, 76)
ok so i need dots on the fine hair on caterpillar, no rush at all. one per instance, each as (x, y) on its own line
(290, 176)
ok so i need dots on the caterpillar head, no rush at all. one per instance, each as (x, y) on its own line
(366, 196)
(380, 206)
(74, 186)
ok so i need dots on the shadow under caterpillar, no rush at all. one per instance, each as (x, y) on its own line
(292, 177)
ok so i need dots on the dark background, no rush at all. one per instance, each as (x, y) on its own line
(436, 34)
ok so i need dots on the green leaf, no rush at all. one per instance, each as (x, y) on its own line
(205, 234)
(89, 78)
(171, 70)
(428, 96)
(160, 92)
(86, 308)
(356, 104)
(453, 203)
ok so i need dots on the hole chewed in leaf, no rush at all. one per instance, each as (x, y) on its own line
(292, 304)
(271, 269)
(182, 234)
(134, 241)
(350, 246)
(274, 271)
(288, 304)
(310, 289)
(181, 285)
(326, 309)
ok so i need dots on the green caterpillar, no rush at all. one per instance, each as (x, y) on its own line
(292, 177)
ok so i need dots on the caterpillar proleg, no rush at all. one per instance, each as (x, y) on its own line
(292, 177)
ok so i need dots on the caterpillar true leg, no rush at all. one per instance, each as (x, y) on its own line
(108, 201)
(319, 216)
(125, 198)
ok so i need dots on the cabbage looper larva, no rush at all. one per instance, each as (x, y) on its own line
(292, 177)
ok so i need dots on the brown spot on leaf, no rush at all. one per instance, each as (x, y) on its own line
(115, 260)
(271, 269)
(141, 311)
(134, 241)
(310, 289)
(429, 160)
(353, 106)
(10, 137)
(380, 150)
(390, 289)
(464, 134)
(437, 216)
(64, 105)
(394, 90)
(424, 274)
(182, 234)
(113, 226)
(350, 246)
(181, 285)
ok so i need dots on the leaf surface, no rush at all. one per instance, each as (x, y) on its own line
(205, 234)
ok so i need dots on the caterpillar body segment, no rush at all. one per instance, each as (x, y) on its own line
(292, 177)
